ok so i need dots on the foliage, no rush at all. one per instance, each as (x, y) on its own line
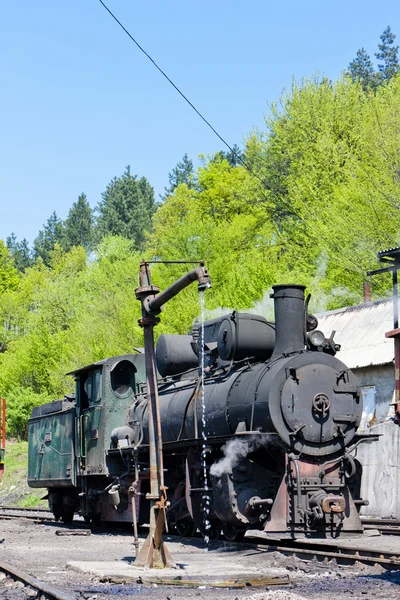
(323, 202)
(20, 252)
(20, 402)
(361, 69)
(51, 234)
(127, 208)
(389, 54)
(182, 173)
(79, 224)
(234, 156)
(8, 275)
(63, 317)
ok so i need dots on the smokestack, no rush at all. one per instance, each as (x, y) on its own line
(289, 318)
(367, 292)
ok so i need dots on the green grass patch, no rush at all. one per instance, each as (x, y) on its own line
(14, 489)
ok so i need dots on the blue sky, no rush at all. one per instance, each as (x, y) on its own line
(79, 101)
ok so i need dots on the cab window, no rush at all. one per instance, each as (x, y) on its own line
(92, 387)
(123, 378)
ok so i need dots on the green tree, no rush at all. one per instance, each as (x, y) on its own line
(182, 173)
(234, 157)
(127, 208)
(389, 54)
(328, 201)
(78, 226)
(51, 234)
(361, 69)
(20, 252)
(8, 274)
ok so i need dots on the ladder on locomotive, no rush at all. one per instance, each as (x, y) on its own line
(2, 434)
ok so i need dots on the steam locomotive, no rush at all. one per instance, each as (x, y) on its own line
(263, 437)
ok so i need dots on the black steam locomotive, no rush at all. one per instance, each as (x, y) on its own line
(267, 443)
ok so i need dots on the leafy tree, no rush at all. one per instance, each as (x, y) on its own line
(329, 162)
(78, 226)
(8, 274)
(389, 54)
(127, 208)
(51, 234)
(20, 252)
(361, 69)
(182, 173)
(20, 402)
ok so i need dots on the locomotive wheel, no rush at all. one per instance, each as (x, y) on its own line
(232, 533)
(185, 528)
(57, 512)
(67, 516)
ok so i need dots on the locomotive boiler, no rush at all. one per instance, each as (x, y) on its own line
(259, 426)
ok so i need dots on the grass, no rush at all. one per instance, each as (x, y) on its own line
(14, 489)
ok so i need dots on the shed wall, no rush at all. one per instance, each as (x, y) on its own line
(381, 472)
(382, 377)
(380, 460)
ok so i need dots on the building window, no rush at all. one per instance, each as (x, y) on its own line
(368, 395)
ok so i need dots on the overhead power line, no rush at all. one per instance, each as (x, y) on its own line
(239, 158)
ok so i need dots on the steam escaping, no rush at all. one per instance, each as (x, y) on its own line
(235, 450)
(263, 307)
(321, 298)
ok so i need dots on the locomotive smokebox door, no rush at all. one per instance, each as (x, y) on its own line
(315, 404)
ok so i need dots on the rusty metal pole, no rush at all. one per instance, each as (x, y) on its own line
(3, 434)
(392, 258)
(396, 335)
(367, 292)
(154, 553)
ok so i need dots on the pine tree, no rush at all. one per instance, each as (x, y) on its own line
(51, 234)
(361, 69)
(20, 252)
(78, 226)
(182, 173)
(234, 157)
(389, 54)
(127, 208)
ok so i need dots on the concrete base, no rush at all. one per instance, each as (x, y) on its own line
(193, 570)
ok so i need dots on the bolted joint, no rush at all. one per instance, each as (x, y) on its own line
(144, 321)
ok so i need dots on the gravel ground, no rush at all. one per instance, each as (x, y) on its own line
(37, 549)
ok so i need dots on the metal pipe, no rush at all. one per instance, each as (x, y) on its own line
(289, 319)
(154, 306)
(395, 300)
(367, 292)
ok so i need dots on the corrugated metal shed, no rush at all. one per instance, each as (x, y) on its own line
(360, 330)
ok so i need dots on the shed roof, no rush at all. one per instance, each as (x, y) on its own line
(360, 330)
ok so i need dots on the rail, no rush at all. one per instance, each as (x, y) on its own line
(50, 592)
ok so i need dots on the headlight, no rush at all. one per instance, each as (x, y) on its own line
(316, 338)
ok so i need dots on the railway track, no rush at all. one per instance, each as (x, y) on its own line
(19, 512)
(385, 526)
(15, 574)
(25, 509)
(325, 552)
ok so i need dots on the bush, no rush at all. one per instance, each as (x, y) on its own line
(20, 403)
